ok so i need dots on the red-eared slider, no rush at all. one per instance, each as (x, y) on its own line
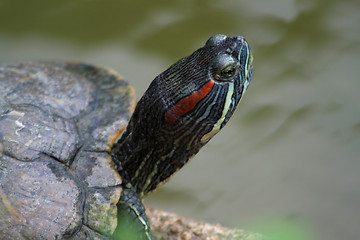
(68, 168)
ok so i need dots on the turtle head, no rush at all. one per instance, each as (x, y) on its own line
(201, 91)
(183, 108)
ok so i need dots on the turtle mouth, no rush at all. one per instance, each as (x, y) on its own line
(249, 72)
(245, 58)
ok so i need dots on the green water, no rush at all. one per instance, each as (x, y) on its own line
(291, 152)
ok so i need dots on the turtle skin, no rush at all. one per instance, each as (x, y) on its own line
(57, 123)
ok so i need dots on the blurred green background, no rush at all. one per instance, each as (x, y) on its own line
(291, 152)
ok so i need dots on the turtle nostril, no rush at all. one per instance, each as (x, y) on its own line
(238, 39)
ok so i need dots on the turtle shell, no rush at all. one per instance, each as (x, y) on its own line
(57, 123)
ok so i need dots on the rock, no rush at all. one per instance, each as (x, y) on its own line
(169, 226)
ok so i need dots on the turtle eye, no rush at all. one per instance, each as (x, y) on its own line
(228, 72)
(224, 67)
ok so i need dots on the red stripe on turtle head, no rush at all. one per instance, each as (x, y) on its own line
(188, 103)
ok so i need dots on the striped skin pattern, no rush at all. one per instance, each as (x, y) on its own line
(188, 103)
(183, 108)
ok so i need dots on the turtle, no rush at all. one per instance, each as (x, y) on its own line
(77, 156)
